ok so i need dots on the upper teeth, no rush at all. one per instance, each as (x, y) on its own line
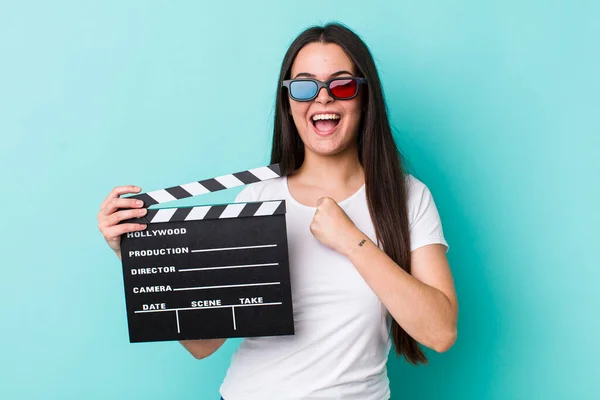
(325, 116)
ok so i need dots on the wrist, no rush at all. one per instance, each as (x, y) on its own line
(356, 241)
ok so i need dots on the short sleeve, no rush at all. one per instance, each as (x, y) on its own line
(246, 195)
(424, 220)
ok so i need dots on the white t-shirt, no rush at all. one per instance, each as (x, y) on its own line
(342, 340)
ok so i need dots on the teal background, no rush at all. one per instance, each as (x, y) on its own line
(495, 105)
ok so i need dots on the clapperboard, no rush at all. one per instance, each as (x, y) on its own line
(213, 271)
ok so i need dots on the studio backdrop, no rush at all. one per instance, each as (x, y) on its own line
(495, 106)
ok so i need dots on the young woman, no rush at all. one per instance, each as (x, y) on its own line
(366, 248)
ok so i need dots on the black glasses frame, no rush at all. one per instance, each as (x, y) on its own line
(320, 84)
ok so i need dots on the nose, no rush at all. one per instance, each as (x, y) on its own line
(323, 96)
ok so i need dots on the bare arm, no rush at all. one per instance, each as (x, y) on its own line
(202, 348)
(423, 302)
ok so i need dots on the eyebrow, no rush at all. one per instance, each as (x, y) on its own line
(308, 75)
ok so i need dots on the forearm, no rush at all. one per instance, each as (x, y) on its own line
(423, 311)
(202, 348)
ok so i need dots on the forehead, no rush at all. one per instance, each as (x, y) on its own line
(321, 60)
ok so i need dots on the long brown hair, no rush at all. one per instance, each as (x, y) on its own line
(377, 153)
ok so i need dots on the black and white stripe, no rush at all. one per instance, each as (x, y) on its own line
(209, 185)
(234, 210)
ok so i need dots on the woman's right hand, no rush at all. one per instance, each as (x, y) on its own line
(114, 210)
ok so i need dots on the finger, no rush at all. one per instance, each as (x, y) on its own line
(118, 191)
(115, 218)
(118, 203)
(115, 232)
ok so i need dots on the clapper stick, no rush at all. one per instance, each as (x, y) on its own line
(212, 271)
(209, 185)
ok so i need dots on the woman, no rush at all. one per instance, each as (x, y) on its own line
(366, 247)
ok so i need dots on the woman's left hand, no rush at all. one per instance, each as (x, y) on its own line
(332, 227)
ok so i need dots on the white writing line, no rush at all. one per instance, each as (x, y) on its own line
(177, 316)
(205, 308)
(233, 314)
(234, 248)
(228, 267)
(227, 286)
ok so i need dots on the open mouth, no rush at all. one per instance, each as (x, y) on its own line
(325, 122)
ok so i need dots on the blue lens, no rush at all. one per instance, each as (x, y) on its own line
(303, 90)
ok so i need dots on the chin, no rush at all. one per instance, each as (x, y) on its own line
(325, 150)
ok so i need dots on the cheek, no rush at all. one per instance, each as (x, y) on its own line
(299, 112)
(356, 106)
(354, 113)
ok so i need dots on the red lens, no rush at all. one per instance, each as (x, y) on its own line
(343, 88)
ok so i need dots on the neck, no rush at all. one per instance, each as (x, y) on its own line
(331, 171)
